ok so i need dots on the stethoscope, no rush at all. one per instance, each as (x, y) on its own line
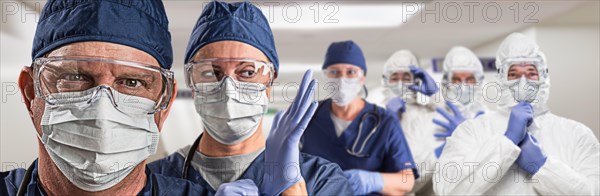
(23, 186)
(353, 151)
(190, 156)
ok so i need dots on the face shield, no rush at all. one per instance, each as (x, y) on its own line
(398, 80)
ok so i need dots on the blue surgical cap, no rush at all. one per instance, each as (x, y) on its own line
(240, 21)
(345, 52)
(140, 24)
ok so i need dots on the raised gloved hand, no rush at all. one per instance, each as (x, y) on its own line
(521, 116)
(238, 187)
(532, 157)
(428, 86)
(396, 105)
(453, 120)
(282, 155)
(364, 182)
(438, 150)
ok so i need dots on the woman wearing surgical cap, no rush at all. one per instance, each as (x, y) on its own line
(365, 140)
(522, 148)
(231, 63)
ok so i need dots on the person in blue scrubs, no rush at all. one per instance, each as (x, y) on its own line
(87, 57)
(364, 139)
(231, 63)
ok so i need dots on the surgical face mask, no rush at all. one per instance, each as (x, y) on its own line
(523, 89)
(231, 111)
(346, 89)
(463, 93)
(98, 136)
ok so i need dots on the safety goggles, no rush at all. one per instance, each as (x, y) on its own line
(60, 76)
(393, 77)
(207, 74)
(350, 73)
(506, 65)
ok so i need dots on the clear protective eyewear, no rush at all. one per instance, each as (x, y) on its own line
(393, 77)
(541, 70)
(207, 74)
(56, 77)
(350, 73)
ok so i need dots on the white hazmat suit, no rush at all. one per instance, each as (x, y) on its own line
(479, 159)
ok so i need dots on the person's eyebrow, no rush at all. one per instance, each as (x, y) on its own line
(138, 76)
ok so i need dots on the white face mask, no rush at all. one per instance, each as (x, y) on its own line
(463, 93)
(94, 144)
(400, 88)
(232, 113)
(346, 90)
(524, 89)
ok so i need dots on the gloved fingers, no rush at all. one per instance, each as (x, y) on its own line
(454, 109)
(299, 130)
(444, 114)
(441, 135)
(301, 91)
(239, 187)
(442, 124)
(246, 184)
(416, 71)
(276, 122)
(415, 87)
(479, 114)
(304, 103)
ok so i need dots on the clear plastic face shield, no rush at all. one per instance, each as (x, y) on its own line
(523, 77)
(459, 85)
(398, 80)
(207, 75)
(57, 79)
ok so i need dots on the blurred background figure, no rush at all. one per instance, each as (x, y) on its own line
(365, 140)
(533, 150)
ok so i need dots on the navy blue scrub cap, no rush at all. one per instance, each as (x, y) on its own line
(140, 24)
(239, 21)
(345, 52)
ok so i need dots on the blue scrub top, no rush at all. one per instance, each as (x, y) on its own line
(321, 176)
(10, 181)
(386, 150)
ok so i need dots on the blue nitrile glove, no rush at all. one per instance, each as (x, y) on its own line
(238, 187)
(364, 182)
(453, 120)
(282, 155)
(521, 116)
(532, 157)
(396, 106)
(428, 86)
(438, 150)
(479, 114)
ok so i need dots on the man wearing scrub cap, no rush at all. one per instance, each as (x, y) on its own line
(231, 63)
(521, 149)
(98, 91)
